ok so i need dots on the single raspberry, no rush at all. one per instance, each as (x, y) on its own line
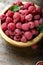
(25, 27)
(8, 20)
(38, 9)
(31, 8)
(4, 26)
(34, 46)
(10, 13)
(17, 38)
(17, 32)
(22, 18)
(16, 16)
(31, 25)
(37, 23)
(26, 5)
(19, 25)
(3, 17)
(23, 39)
(28, 35)
(37, 17)
(29, 17)
(41, 20)
(34, 32)
(7, 33)
(19, 3)
(11, 26)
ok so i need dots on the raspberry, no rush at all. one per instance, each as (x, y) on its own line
(19, 25)
(26, 5)
(23, 39)
(37, 23)
(3, 17)
(37, 17)
(31, 8)
(29, 17)
(14, 21)
(22, 18)
(24, 12)
(34, 32)
(17, 32)
(38, 10)
(11, 37)
(41, 20)
(25, 27)
(4, 26)
(22, 32)
(28, 35)
(11, 26)
(19, 3)
(8, 20)
(16, 16)
(17, 38)
(34, 46)
(10, 13)
(31, 25)
(7, 33)
(31, 3)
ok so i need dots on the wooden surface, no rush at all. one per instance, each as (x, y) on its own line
(10, 55)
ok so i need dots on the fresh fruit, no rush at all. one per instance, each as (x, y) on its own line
(11, 26)
(28, 35)
(23, 39)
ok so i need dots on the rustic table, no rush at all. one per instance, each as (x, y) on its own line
(10, 55)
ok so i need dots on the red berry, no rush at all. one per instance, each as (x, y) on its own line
(10, 13)
(3, 17)
(23, 39)
(31, 3)
(38, 10)
(17, 32)
(4, 26)
(19, 3)
(37, 17)
(37, 23)
(12, 37)
(7, 33)
(24, 12)
(28, 35)
(34, 32)
(26, 5)
(31, 8)
(31, 25)
(14, 21)
(22, 18)
(29, 17)
(25, 27)
(19, 25)
(8, 20)
(34, 46)
(22, 7)
(41, 20)
(16, 16)
(11, 26)
(17, 38)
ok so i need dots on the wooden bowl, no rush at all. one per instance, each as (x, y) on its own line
(15, 43)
